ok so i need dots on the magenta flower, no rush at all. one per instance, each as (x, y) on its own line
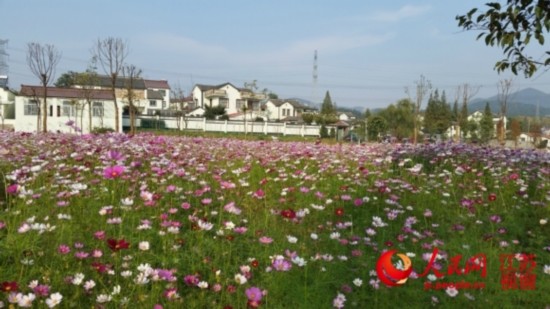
(12, 189)
(254, 296)
(63, 249)
(112, 172)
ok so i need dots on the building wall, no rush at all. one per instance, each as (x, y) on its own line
(58, 120)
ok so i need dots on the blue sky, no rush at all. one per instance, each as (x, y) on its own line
(368, 51)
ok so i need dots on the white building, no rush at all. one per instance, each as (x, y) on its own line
(150, 96)
(235, 100)
(7, 106)
(276, 109)
(67, 109)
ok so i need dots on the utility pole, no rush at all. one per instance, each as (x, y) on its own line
(315, 75)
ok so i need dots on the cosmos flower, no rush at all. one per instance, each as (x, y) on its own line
(112, 172)
(116, 245)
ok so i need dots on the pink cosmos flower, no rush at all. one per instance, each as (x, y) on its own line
(12, 189)
(63, 249)
(266, 240)
(112, 172)
(254, 296)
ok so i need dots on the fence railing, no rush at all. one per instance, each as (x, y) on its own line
(226, 126)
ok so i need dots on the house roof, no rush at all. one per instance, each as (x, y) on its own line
(208, 87)
(138, 83)
(154, 95)
(156, 84)
(294, 103)
(69, 93)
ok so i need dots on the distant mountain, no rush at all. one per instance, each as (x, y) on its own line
(357, 111)
(520, 103)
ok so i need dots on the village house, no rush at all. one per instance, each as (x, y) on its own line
(7, 106)
(285, 110)
(67, 108)
(238, 102)
(150, 96)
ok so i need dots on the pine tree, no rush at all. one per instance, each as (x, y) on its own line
(463, 119)
(486, 125)
(327, 108)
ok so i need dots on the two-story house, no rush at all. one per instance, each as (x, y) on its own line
(150, 96)
(236, 101)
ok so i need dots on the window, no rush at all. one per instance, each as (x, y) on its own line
(240, 104)
(68, 109)
(163, 104)
(163, 92)
(31, 107)
(224, 102)
(153, 103)
(97, 109)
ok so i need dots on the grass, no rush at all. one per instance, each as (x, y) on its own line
(196, 211)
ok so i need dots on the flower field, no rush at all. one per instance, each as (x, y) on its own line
(146, 221)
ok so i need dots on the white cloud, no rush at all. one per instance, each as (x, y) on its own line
(404, 12)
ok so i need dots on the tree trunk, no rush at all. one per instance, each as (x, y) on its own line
(45, 114)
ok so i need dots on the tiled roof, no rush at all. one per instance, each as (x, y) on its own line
(69, 93)
(154, 95)
(104, 81)
(156, 84)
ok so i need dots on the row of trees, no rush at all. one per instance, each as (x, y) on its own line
(110, 54)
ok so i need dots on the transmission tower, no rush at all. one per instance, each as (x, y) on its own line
(3, 57)
(314, 90)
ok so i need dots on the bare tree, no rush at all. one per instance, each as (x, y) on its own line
(131, 73)
(111, 53)
(464, 93)
(423, 86)
(504, 88)
(178, 96)
(42, 60)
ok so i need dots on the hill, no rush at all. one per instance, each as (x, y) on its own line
(521, 103)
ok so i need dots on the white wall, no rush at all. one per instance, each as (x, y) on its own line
(58, 121)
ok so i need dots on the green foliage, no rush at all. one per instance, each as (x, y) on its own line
(473, 128)
(486, 125)
(101, 130)
(511, 27)
(376, 126)
(308, 118)
(463, 119)
(437, 118)
(399, 118)
(214, 112)
(66, 80)
(327, 108)
(323, 131)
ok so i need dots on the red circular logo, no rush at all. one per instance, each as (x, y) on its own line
(388, 273)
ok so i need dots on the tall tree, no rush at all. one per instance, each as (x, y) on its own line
(42, 60)
(110, 54)
(400, 118)
(511, 27)
(422, 87)
(464, 93)
(131, 73)
(375, 127)
(504, 87)
(486, 125)
(327, 108)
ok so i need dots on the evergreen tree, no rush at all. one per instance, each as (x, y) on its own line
(437, 117)
(454, 118)
(486, 125)
(327, 108)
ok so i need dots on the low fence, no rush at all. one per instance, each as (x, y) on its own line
(226, 126)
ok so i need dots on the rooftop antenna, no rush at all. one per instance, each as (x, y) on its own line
(314, 90)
